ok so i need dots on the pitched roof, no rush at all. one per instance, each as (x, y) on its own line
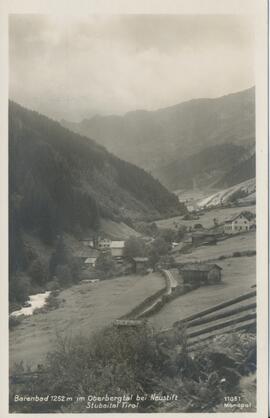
(86, 253)
(117, 244)
(235, 216)
(140, 259)
(199, 267)
(90, 260)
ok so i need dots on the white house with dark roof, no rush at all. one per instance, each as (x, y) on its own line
(236, 224)
(117, 248)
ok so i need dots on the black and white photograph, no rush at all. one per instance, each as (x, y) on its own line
(132, 213)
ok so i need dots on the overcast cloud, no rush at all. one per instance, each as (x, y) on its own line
(73, 68)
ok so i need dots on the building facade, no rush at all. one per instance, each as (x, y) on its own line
(236, 224)
(103, 244)
(117, 248)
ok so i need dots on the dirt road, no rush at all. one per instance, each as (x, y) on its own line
(238, 275)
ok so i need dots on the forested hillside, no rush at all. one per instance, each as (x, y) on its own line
(154, 139)
(62, 182)
(245, 170)
(216, 166)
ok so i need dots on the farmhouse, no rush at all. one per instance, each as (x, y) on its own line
(236, 224)
(117, 248)
(199, 272)
(103, 244)
(140, 264)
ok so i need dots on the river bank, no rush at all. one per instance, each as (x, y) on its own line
(83, 310)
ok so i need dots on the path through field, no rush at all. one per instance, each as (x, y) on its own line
(238, 275)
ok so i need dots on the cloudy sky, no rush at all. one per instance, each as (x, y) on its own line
(72, 67)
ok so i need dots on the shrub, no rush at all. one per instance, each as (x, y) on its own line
(52, 301)
(14, 321)
(38, 272)
(105, 264)
(53, 284)
(237, 254)
(136, 361)
(134, 247)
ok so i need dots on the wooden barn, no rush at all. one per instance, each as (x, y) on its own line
(200, 272)
(140, 265)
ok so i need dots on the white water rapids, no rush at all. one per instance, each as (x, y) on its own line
(36, 301)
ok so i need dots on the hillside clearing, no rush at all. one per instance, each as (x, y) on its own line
(117, 230)
(207, 219)
(87, 308)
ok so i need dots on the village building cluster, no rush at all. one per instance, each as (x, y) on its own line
(201, 273)
(92, 248)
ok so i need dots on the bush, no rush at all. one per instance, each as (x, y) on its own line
(105, 264)
(198, 226)
(134, 247)
(53, 285)
(125, 360)
(237, 254)
(52, 301)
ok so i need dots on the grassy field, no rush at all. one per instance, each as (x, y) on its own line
(238, 275)
(86, 308)
(207, 219)
(244, 242)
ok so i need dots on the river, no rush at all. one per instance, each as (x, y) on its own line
(36, 301)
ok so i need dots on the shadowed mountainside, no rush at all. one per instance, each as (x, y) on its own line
(154, 140)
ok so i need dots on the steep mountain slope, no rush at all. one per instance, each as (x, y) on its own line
(216, 166)
(205, 168)
(246, 169)
(154, 139)
(60, 181)
(245, 190)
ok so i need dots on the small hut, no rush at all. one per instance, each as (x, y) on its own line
(200, 273)
(140, 265)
